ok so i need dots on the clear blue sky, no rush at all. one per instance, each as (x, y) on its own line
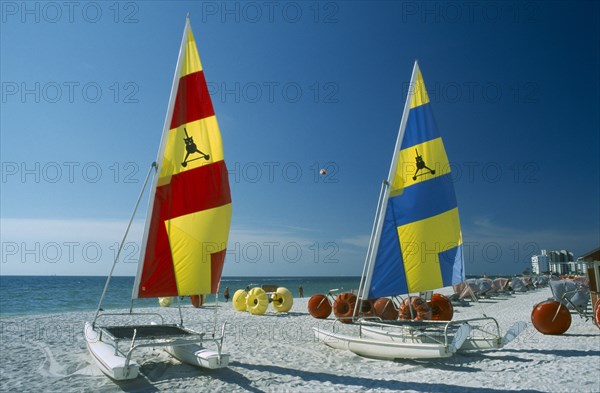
(298, 86)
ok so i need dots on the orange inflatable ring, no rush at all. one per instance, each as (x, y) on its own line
(197, 300)
(343, 307)
(441, 307)
(319, 307)
(384, 309)
(543, 314)
(420, 309)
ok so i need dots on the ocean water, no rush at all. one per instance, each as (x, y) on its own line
(28, 295)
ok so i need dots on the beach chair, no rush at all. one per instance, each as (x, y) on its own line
(572, 294)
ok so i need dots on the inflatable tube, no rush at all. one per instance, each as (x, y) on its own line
(257, 301)
(543, 314)
(197, 300)
(165, 301)
(343, 307)
(282, 300)
(384, 309)
(420, 308)
(239, 300)
(441, 307)
(319, 307)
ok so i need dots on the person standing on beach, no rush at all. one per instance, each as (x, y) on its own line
(226, 294)
(301, 291)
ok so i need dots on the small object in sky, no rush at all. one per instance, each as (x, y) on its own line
(323, 172)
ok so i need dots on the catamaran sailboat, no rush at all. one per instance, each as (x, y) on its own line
(415, 246)
(186, 231)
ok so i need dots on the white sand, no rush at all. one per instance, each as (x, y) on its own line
(274, 353)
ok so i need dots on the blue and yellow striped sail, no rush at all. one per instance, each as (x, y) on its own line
(420, 247)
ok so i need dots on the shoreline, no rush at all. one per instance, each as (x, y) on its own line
(69, 298)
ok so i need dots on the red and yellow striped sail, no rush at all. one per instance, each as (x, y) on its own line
(186, 239)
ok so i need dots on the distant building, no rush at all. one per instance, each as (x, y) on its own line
(539, 263)
(558, 262)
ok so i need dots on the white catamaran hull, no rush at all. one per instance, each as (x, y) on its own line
(110, 361)
(472, 343)
(387, 350)
(197, 355)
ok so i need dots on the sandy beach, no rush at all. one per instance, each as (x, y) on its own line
(277, 352)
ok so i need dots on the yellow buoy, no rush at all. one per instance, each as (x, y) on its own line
(257, 301)
(282, 300)
(239, 300)
(165, 301)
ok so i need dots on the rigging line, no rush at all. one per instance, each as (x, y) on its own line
(154, 166)
(137, 204)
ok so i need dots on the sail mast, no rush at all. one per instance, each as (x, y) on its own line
(380, 215)
(161, 150)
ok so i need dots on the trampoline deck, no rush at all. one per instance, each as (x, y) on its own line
(148, 332)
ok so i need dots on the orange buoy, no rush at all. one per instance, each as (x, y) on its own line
(546, 320)
(343, 306)
(197, 300)
(384, 309)
(441, 307)
(319, 306)
(420, 309)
